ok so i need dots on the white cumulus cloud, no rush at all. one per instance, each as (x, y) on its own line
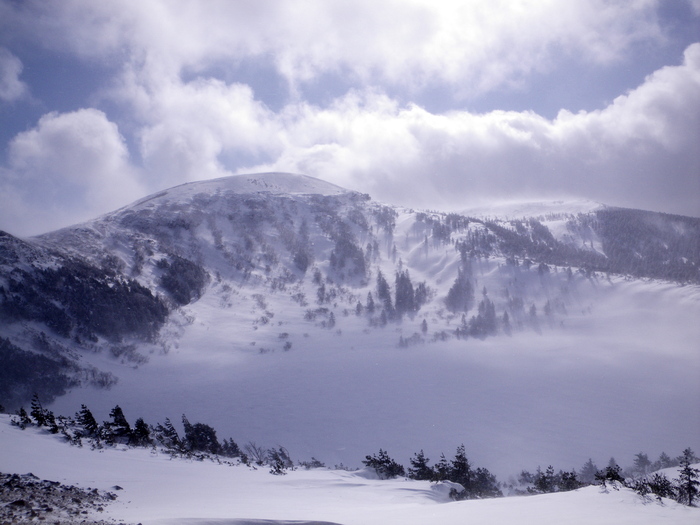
(11, 87)
(68, 168)
(177, 93)
(473, 46)
(408, 154)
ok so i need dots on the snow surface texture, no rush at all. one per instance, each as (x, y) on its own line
(158, 490)
(612, 371)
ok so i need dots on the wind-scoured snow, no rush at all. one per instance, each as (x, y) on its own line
(527, 209)
(272, 183)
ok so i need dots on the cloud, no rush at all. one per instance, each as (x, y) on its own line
(472, 46)
(190, 125)
(695, 6)
(11, 87)
(186, 124)
(641, 150)
(68, 168)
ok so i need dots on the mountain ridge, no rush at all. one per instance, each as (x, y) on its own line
(128, 270)
(219, 285)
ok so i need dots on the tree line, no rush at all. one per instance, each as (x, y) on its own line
(200, 441)
(477, 483)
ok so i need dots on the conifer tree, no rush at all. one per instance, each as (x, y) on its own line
(612, 473)
(442, 469)
(506, 324)
(359, 309)
(37, 411)
(141, 435)
(167, 435)
(24, 419)
(405, 295)
(641, 463)
(568, 481)
(484, 323)
(87, 421)
(384, 293)
(117, 430)
(419, 468)
(230, 448)
(661, 486)
(688, 484)
(279, 461)
(370, 303)
(484, 484)
(588, 472)
(544, 482)
(421, 295)
(664, 461)
(385, 467)
(200, 437)
(461, 294)
(42, 416)
(461, 470)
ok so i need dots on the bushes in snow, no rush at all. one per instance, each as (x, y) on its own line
(200, 442)
(475, 483)
(385, 467)
(182, 279)
(549, 481)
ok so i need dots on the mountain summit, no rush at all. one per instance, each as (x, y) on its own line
(272, 183)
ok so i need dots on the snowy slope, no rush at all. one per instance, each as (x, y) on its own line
(619, 377)
(157, 490)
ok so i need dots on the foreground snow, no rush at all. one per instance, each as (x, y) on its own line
(158, 490)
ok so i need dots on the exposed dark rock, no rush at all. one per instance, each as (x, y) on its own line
(27, 499)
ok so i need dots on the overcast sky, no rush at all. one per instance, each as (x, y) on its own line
(429, 104)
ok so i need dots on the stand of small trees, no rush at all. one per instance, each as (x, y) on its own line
(475, 483)
(550, 481)
(685, 489)
(200, 441)
(384, 466)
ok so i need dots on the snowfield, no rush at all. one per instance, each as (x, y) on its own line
(158, 490)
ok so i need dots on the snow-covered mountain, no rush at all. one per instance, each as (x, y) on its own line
(285, 310)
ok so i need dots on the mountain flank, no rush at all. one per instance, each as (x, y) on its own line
(116, 285)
